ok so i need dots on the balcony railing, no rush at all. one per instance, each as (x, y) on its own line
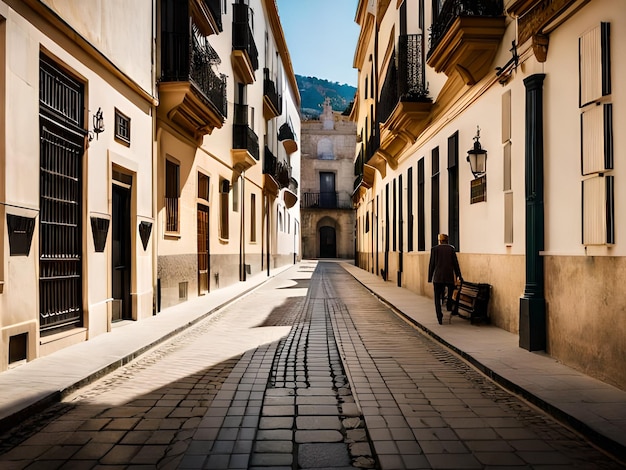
(269, 162)
(373, 143)
(243, 39)
(405, 76)
(187, 59)
(452, 9)
(326, 200)
(269, 90)
(243, 137)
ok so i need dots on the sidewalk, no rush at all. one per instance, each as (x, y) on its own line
(593, 408)
(29, 388)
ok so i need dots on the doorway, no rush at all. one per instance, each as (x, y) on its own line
(203, 249)
(328, 242)
(328, 196)
(121, 250)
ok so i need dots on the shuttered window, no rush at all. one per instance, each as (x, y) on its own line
(596, 141)
(596, 124)
(594, 64)
(598, 210)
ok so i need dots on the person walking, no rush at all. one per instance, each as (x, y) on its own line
(442, 269)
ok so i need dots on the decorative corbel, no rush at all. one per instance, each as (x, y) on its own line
(540, 46)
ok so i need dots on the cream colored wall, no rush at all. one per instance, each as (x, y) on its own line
(111, 26)
(19, 300)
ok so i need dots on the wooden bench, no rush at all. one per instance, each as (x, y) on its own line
(473, 299)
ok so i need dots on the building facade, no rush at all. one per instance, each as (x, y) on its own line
(328, 215)
(163, 170)
(75, 172)
(227, 160)
(534, 84)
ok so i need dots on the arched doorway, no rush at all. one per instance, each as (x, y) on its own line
(328, 242)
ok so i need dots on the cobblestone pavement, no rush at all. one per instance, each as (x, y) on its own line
(308, 371)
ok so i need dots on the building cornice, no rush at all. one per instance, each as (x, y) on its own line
(281, 45)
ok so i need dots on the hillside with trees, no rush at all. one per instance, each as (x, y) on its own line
(313, 92)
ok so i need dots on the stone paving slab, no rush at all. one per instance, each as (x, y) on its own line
(594, 408)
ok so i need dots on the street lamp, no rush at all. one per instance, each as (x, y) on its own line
(477, 157)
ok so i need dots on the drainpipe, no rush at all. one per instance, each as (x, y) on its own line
(267, 228)
(242, 228)
(532, 316)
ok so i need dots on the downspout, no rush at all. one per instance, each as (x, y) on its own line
(267, 228)
(532, 317)
(242, 228)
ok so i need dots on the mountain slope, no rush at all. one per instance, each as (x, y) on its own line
(313, 92)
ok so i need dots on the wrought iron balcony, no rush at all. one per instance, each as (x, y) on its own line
(191, 92)
(326, 200)
(269, 162)
(272, 100)
(245, 141)
(245, 56)
(465, 37)
(287, 137)
(405, 80)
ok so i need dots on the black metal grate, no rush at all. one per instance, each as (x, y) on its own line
(60, 263)
(61, 151)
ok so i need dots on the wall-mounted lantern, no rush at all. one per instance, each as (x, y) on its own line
(477, 157)
(98, 124)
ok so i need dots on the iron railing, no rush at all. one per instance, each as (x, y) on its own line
(326, 200)
(405, 79)
(269, 90)
(452, 9)
(243, 38)
(244, 137)
(186, 56)
(269, 162)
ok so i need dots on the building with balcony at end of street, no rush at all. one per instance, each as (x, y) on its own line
(326, 205)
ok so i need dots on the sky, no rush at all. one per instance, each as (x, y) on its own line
(321, 36)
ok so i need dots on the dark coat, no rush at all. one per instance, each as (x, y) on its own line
(443, 265)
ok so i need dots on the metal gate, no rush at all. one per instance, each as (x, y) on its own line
(61, 179)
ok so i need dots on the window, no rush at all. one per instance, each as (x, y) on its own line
(367, 222)
(421, 206)
(598, 210)
(122, 127)
(394, 216)
(409, 209)
(434, 198)
(172, 195)
(453, 191)
(236, 195)
(252, 218)
(203, 187)
(506, 177)
(595, 65)
(596, 128)
(224, 190)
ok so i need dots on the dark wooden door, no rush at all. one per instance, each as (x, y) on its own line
(203, 249)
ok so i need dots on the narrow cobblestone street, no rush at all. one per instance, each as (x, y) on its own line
(309, 371)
